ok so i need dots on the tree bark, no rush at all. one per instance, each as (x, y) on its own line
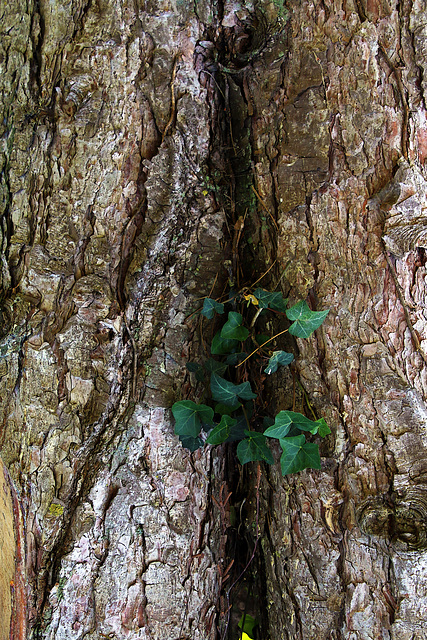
(137, 139)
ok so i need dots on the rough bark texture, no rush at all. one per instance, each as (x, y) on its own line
(132, 135)
(347, 545)
(7, 555)
(105, 232)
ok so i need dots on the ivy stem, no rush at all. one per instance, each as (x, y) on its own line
(263, 275)
(255, 318)
(246, 417)
(261, 346)
(263, 205)
(307, 400)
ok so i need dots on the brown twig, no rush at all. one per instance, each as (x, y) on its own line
(261, 346)
(238, 230)
(264, 206)
(263, 275)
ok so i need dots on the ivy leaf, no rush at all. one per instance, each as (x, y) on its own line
(189, 417)
(228, 393)
(322, 429)
(213, 366)
(197, 369)
(278, 358)
(221, 432)
(224, 409)
(298, 455)
(237, 432)
(235, 358)
(193, 367)
(293, 431)
(281, 426)
(253, 448)
(302, 422)
(305, 320)
(221, 346)
(191, 443)
(285, 420)
(210, 306)
(247, 624)
(233, 329)
(271, 300)
(267, 421)
(250, 408)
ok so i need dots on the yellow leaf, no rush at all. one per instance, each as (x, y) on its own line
(250, 298)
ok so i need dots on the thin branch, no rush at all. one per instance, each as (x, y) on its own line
(261, 346)
(264, 206)
(261, 277)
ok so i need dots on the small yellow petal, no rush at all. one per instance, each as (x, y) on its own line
(251, 298)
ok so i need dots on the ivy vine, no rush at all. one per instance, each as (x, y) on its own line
(229, 412)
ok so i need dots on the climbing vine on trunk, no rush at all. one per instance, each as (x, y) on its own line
(234, 414)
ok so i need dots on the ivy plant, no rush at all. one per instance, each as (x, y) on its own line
(229, 411)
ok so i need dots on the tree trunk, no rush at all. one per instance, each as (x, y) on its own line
(137, 139)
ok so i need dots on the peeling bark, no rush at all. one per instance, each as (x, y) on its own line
(135, 137)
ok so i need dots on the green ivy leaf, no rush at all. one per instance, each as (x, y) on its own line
(279, 358)
(253, 448)
(221, 432)
(285, 420)
(247, 624)
(242, 422)
(250, 408)
(228, 393)
(224, 409)
(261, 338)
(267, 421)
(281, 426)
(197, 369)
(271, 300)
(298, 455)
(322, 429)
(235, 358)
(233, 329)
(191, 443)
(221, 346)
(237, 433)
(213, 366)
(189, 417)
(302, 422)
(193, 367)
(305, 320)
(210, 306)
